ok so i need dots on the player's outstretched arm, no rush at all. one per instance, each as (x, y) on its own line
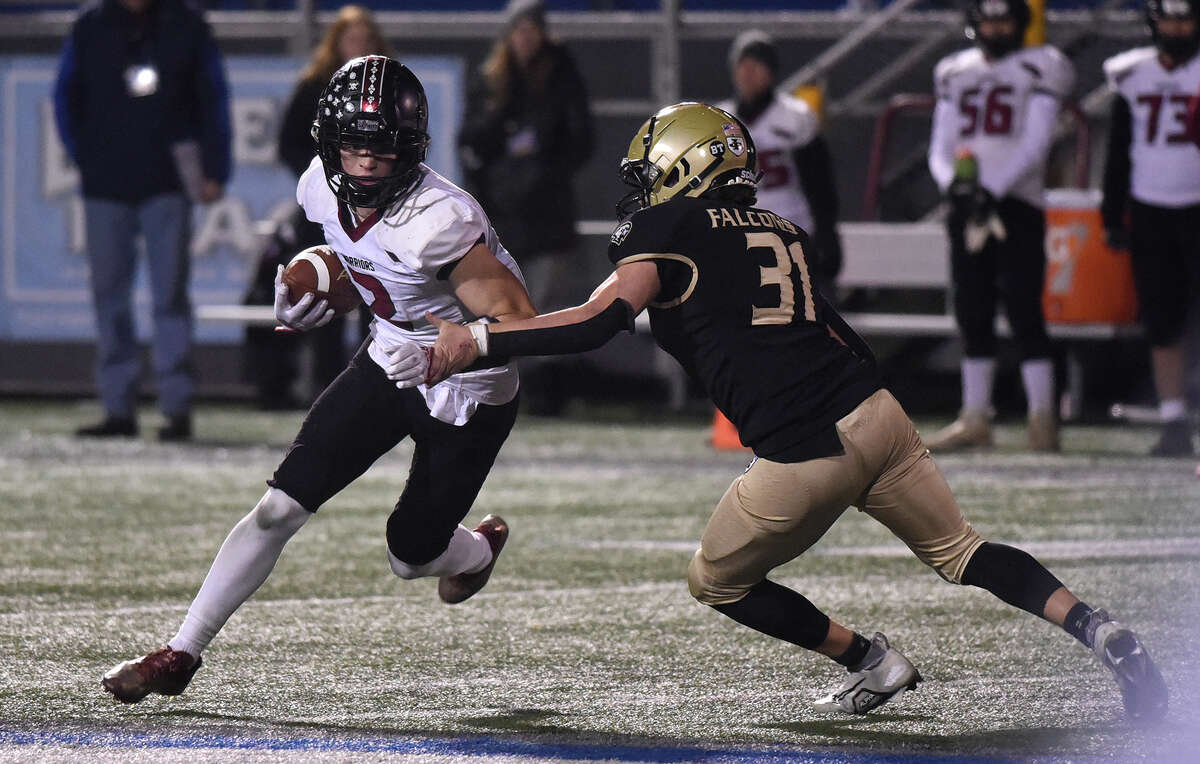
(610, 309)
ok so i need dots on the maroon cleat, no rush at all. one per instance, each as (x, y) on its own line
(453, 589)
(164, 671)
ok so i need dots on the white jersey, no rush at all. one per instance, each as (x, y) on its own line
(786, 125)
(396, 260)
(1164, 163)
(992, 109)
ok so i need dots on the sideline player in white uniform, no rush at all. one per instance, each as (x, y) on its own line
(1152, 196)
(413, 243)
(797, 170)
(997, 105)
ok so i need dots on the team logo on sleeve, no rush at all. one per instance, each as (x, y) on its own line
(620, 232)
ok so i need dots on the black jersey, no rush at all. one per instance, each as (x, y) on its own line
(738, 310)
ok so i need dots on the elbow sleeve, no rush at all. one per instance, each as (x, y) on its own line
(562, 340)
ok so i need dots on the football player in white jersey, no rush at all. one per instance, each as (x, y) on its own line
(1152, 196)
(997, 105)
(797, 170)
(413, 243)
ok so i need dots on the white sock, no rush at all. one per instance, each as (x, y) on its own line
(1172, 409)
(1038, 376)
(977, 384)
(242, 565)
(468, 552)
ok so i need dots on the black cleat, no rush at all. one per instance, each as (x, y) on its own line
(177, 429)
(1175, 440)
(111, 427)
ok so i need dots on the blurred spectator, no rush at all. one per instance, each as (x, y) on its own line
(272, 356)
(527, 132)
(1152, 197)
(797, 181)
(993, 126)
(142, 107)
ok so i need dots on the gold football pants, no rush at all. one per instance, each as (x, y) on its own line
(774, 512)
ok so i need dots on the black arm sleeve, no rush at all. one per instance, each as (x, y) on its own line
(834, 321)
(562, 340)
(1117, 165)
(814, 164)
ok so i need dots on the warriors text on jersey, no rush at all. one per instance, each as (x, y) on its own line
(400, 259)
(787, 124)
(1165, 164)
(737, 310)
(990, 102)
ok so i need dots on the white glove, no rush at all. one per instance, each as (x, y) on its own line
(302, 316)
(407, 363)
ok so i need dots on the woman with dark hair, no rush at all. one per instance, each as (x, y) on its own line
(528, 132)
(271, 357)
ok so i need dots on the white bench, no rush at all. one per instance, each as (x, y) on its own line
(916, 256)
(875, 256)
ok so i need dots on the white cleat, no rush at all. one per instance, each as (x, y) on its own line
(1142, 687)
(885, 674)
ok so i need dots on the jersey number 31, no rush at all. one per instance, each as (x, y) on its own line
(780, 274)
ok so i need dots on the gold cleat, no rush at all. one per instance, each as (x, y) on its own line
(1043, 432)
(970, 430)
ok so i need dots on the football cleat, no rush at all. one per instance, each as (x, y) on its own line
(454, 589)
(1043, 432)
(164, 671)
(1142, 687)
(884, 674)
(970, 430)
(1175, 439)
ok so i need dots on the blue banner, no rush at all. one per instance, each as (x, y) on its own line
(44, 292)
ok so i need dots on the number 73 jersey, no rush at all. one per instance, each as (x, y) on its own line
(737, 309)
(990, 101)
(1164, 163)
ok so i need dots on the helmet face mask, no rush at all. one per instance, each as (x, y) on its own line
(687, 149)
(998, 45)
(1179, 47)
(374, 105)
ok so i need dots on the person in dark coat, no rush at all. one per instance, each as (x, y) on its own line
(271, 357)
(527, 132)
(141, 105)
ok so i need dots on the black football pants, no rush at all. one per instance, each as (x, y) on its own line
(1013, 271)
(1165, 249)
(362, 416)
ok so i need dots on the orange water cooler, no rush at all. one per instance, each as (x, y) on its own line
(1086, 282)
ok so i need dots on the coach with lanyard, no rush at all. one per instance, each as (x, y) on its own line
(142, 108)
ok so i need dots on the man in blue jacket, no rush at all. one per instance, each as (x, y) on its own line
(142, 107)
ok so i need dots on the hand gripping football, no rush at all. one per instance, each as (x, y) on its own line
(318, 270)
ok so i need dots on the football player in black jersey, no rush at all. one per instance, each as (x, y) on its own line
(730, 295)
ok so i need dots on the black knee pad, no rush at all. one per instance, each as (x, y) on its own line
(413, 542)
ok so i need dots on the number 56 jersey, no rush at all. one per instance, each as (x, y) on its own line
(737, 309)
(989, 103)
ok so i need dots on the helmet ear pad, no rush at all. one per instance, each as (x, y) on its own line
(378, 105)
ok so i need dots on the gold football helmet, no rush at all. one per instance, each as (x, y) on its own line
(686, 149)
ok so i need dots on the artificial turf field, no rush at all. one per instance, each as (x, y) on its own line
(585, 645)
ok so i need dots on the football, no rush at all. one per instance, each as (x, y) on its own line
(318, 270)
